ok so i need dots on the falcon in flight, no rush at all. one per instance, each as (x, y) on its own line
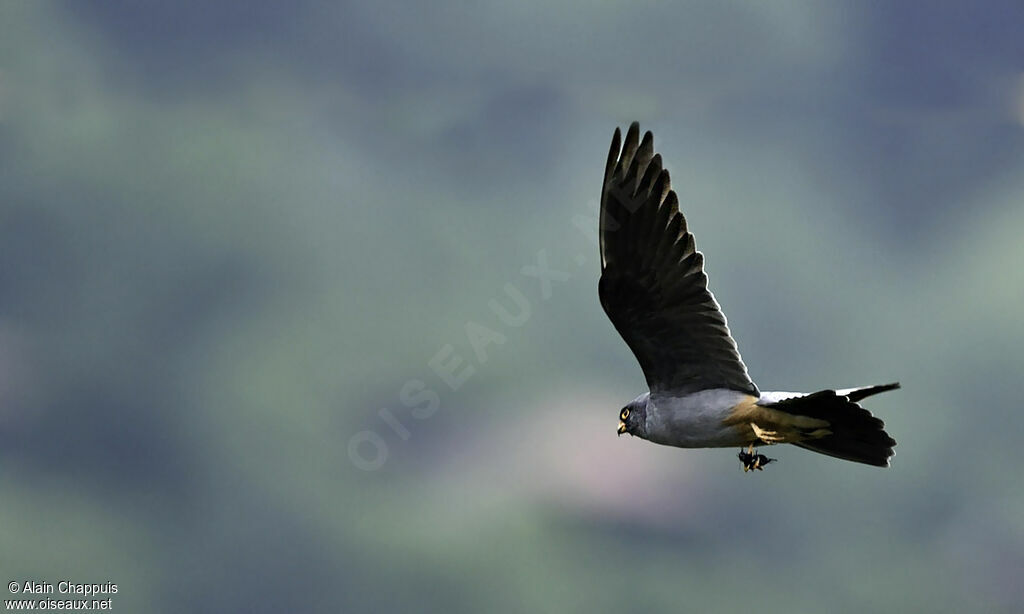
(655, 292)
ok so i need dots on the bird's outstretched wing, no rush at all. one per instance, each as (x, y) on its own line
(653, 285)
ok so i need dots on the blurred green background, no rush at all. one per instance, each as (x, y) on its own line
(234, 237)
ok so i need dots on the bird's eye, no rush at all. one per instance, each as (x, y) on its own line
(624, 413)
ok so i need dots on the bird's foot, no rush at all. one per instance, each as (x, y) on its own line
(768, 437)
(752, 460)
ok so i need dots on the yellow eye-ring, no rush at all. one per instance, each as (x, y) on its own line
(624, 413)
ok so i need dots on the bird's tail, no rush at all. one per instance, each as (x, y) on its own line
(854, 434)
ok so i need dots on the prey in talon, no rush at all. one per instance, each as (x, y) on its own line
(752, 460)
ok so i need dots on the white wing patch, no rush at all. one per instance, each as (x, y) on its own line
(775, 396)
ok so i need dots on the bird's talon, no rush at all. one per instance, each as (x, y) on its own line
(767, 437)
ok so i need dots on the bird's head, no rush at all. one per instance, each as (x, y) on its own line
(632, 417)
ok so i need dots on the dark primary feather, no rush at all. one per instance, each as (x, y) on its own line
(653, 285)
(859, 394)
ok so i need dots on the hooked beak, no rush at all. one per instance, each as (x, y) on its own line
(622, 428)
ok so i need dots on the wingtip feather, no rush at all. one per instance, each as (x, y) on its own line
(613, 155)
(629, 147)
